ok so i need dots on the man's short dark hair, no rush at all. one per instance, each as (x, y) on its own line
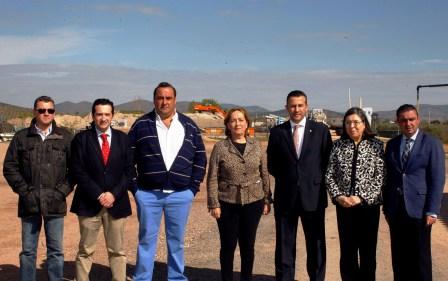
(297, 93)
(164, 85)
(43, 99)
(406, 107)
(102, 101)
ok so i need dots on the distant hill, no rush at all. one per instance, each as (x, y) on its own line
(329, 113)
(182, 106)
(333, 114)
(251, 109)
(78, 108)
(140, 105)
(8, 111)
(280, 112)
(427, 111)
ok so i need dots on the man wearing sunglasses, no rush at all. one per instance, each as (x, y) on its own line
(36, 167)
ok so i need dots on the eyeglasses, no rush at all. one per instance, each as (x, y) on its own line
(355, 123)
(43, 110)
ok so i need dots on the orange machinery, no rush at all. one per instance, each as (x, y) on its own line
(210, 108)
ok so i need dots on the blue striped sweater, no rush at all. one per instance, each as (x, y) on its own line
(187, 170)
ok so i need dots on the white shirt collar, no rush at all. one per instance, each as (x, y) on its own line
(108, 132)
(42, 133)
(413, 137)
(160, 121)
(301, 123)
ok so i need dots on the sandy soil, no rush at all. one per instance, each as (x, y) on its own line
(201, 244)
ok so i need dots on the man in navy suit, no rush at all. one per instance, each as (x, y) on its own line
(298, 152)
(102, 169)
(413, 195)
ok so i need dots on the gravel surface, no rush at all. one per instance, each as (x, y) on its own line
(201, 244)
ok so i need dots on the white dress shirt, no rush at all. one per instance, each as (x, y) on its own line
(170, 139)
(108, 132)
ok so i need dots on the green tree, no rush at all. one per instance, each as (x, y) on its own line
(191, 105)
(210, 102)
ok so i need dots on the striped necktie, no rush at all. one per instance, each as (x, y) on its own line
(406, 151)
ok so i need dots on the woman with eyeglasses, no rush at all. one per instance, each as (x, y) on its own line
(355, 177)
(238, 193)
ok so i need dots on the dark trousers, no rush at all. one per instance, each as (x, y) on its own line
(238, 224)
(285, 247)
(411, 246)
(358, 233)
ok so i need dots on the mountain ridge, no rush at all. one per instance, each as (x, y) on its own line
(427, 111)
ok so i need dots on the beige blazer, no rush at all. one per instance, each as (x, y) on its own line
(236, 178)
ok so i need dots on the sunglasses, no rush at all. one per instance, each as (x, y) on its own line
(43, 110)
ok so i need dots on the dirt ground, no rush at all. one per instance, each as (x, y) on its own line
(201, 244)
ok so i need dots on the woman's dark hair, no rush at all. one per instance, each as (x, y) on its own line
(229, 114)
(358, 111)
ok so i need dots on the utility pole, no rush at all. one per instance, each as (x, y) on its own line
(349, 99)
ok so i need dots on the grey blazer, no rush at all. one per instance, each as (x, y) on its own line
(236, 178)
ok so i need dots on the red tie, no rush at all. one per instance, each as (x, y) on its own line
(105, 149)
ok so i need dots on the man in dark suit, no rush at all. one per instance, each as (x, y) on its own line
(412, 196)
(298, 153)
(102, 169)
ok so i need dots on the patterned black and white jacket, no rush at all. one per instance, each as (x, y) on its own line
(363, 163)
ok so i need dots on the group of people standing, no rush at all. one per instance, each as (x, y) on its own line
(162, 161)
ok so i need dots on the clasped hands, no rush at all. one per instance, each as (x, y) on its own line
(348, 201)
(106, 199)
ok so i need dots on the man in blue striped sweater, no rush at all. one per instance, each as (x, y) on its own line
(170, 159)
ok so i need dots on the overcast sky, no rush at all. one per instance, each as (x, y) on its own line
(247, 52)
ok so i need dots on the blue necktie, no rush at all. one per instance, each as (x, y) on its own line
(406, 151)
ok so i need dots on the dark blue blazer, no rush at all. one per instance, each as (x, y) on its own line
(422, 179)
(93, 177)
(187, 170)
(299, 179)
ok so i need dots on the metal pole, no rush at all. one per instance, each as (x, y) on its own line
(426, 86)
(418, 98)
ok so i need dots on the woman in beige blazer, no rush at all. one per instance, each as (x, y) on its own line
(237, 192)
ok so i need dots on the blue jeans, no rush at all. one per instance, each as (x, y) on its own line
(54, 228)
(176, 208)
